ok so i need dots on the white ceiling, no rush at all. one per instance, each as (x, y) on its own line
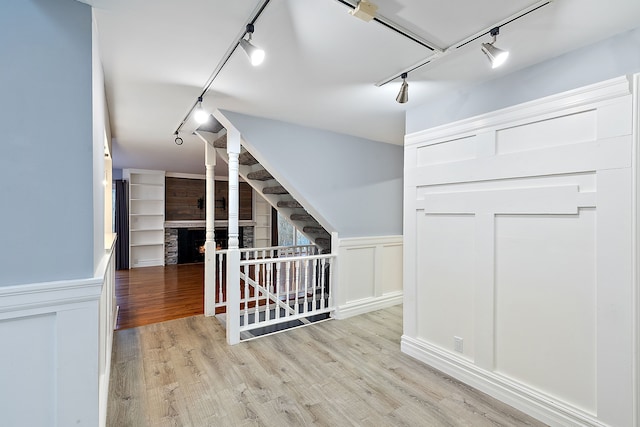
(321, 62)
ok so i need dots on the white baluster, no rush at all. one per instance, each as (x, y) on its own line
(305, 286)
(314, 282)
(297, 280)
(287, 283)
(256, 290)
(220, 258)
(278, 266)
(322, 267)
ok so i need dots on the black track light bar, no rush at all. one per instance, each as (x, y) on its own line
(395, 27)
(250, 24)
(497, 28)
(464, 42)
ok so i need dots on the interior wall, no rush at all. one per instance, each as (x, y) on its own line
(604, 60)
(351, 185)
(46, 165)
(101, 176)
(520, 252)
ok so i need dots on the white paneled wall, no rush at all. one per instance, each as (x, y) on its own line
(369, 272)
(56, 350)
(520, 254)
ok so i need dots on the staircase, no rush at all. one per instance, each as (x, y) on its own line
(272, 191)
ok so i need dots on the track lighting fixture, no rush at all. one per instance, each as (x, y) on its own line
(496, 56)
(178, 140)
(255, 54)
(365, 10)
(200, 114)
(403, 95)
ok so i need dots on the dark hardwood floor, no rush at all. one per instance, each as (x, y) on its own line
(155, 294)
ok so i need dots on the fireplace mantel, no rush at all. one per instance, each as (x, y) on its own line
(202, 223)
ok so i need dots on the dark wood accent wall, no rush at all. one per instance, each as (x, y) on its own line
(222, 201)
(181, 199)
(182, 195)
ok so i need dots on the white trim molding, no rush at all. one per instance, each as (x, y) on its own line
(369, 274)
(597, 93)
(545, 408)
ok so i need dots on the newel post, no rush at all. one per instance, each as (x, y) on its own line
(210, 243)
(233, 254)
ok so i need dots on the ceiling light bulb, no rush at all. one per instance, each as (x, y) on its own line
(496, 55)
(200, 115)
(403, 95)
(255, 54)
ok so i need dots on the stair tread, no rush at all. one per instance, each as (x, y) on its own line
(276, 189)
(302, 217)
(247, 159)
(319, 232)
(221, 142)
(260, 175)
(293, 204)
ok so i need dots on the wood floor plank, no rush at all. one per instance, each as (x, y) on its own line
(336, 373)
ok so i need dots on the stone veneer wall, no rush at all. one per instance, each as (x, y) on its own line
(247, 237)
(171, 243)
(170, 246)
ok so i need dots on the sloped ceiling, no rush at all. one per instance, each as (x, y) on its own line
(321, 62)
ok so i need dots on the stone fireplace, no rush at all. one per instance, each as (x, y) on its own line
(184, 240)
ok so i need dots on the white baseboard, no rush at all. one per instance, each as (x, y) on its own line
(354, 308)
(540, 406)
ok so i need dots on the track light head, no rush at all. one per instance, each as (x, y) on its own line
(178, 140)
(403, 95)
(200, 115)
(496, 56)
(255, 54)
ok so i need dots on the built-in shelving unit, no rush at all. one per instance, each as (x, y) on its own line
(146, 217)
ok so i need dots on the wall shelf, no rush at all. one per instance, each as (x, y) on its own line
(146, 217)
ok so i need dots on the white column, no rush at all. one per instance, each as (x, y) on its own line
(210, 243)
(233, 254)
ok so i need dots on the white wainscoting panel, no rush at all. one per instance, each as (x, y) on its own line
(56, 350)
(446, 311)
(369, 273)
(520, 240)
(547, 307)
(28, 370)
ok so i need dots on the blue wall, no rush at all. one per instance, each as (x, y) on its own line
(46, 159)
(354, 183)
(613, 57)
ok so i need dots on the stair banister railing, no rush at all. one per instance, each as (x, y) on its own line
(233, 254)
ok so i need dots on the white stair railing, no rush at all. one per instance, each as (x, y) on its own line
(276, 288)
(255, 254)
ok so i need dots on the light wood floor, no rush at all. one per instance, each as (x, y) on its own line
(335, 373)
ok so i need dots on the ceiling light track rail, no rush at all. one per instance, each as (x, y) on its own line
(509, 21)
(397, 28)
(250, 22)
(474, 37)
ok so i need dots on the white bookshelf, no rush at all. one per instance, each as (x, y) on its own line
(146, 217)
